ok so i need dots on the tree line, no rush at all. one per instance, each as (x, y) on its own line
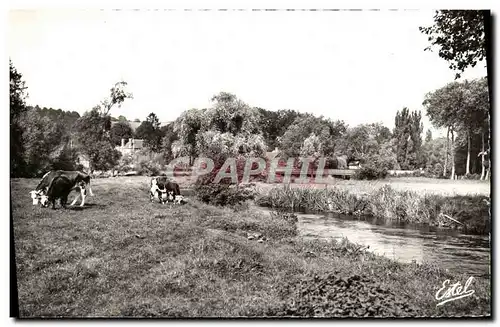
(43, 139)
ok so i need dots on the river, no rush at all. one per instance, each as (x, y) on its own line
(451, 250)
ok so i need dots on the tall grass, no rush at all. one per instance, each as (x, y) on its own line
(388, 204)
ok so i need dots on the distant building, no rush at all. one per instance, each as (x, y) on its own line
(135, 124)
(130, 146)
(354, 164)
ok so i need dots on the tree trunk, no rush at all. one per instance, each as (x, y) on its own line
(482, 157)
(452, 150)
(446, 151)
(467, 166)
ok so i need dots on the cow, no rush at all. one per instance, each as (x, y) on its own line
(80, 181)
(59, 188)
(165, 189)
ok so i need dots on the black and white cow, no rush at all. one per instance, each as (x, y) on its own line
(164, 189)
(78, 179)
(59, 188)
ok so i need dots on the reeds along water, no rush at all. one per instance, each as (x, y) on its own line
(386, 203)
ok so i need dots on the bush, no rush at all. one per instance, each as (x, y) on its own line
(374, 167)
(224, 194)
(371, 172)
(148, 168)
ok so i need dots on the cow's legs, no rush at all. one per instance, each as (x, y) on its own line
(64, 200)
(76, 199)
(83, 194)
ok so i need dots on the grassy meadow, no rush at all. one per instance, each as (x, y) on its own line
(121, 255)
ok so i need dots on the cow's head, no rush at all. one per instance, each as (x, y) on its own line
(35, 196)
(170, 195)
(44, 200)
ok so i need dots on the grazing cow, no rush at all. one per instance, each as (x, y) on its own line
(164, 189)
(59, 188)
(80, 181)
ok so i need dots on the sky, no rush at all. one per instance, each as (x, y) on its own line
(356, 66)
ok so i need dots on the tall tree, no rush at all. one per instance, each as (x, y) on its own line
(18, 95)
(187, 126)
(443, 108)
(150, 132)
(94, 130)
(408, 134)
(121, 130)
(459, 36)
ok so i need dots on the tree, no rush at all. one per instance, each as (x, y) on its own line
(94, 130)
(18, 95)
(122, 118)
(329, 132)
(275, 123)
(428, 136)
(230, 114)
(461, 107)
(407, 132)
(94, 140)
(150, 132)
(187, 126)
(118, 95)
(443, 106)
(137, 120)
(460, 37)
(121, 130)
(43, 140)
(169, 137)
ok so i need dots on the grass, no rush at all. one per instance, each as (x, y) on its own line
(421, 185)
(121, 255)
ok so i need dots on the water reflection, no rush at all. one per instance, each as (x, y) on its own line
(468, 254)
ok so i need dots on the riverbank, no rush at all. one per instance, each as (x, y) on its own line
(467, 213)
(122, 256)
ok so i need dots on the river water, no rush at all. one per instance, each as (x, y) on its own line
(451, 250)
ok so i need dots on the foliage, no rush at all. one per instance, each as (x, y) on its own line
(224, 194)
(187, 126)
(167, 141)
(231, 115)
(275, 123)
(371, 170)
(150, 132)
(328, 131)
(460, 37)
(408, 134)
(94, 140)
(18, 95)
(118, 94)
(311, 147)
(42, 139)
(121, 130)
(363, 140)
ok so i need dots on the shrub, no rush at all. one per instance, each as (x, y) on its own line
(148, 168)
(224, 194)
(371, 172)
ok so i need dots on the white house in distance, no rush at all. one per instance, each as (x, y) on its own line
(130, 146)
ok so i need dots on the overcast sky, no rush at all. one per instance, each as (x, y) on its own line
(360, 67)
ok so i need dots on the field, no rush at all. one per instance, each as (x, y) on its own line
(121, 255)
